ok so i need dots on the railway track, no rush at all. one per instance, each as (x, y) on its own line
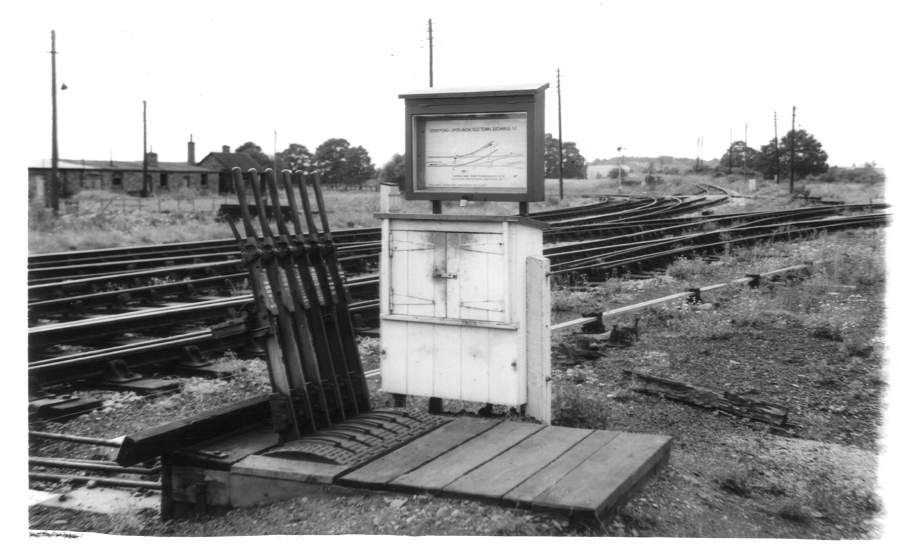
(635, 234)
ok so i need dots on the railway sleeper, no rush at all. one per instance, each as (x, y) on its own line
(120, 377)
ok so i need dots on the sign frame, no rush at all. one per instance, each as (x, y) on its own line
(472, 116)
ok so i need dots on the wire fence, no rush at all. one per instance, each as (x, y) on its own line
(125, 203)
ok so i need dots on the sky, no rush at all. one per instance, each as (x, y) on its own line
(652, 77)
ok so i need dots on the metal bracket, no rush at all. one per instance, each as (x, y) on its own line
(694, 296)
(118, 372)
(596, 326)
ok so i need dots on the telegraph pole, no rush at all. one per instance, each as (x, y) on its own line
(559, 92)
(145, 188)
(792, 146)
(730, 153)
(54, 153)
(776, 152)
(436, 206)
(435, 404)
(430, 55)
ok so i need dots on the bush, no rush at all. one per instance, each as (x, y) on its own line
(867, 175)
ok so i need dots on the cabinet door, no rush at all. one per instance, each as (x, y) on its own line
(477, 277)
(417, 260)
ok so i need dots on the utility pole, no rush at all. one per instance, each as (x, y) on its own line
(619, 168)
(697, 154)
(430, 55)
(54, 153)
(145, 188)
(436, 206)
(792, 147)
(561, 161)
(730, 152)
(776, 152)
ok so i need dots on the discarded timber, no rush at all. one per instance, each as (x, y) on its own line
(738, 405)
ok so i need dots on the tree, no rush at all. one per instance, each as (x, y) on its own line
(394, 170)
(338, 162)
(573, 164)
(254, 151)
(739, 156)
(331, 160)
(358, 165)
(809, 158)
(295, 158)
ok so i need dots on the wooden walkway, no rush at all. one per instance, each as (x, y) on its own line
(517, 464)
(567, 470)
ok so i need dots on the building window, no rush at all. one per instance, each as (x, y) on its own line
(163, 180)
(203, 179)
(116, 179)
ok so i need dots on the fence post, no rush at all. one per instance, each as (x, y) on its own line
(537, 332)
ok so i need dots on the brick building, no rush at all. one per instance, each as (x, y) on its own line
(123, 176)
(223, 162)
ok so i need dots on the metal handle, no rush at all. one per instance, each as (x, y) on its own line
(446, 276)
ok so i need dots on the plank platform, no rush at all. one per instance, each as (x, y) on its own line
(567, 470)
(517, 464)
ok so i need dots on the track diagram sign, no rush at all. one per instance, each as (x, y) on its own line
(475, 144)
(485, 151)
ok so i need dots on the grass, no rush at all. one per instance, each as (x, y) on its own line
(98, 219)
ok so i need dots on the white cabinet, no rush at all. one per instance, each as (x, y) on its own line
(454, 305)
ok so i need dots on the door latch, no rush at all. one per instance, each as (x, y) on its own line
(445, 275)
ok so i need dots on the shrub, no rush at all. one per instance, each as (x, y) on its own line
(866, 175)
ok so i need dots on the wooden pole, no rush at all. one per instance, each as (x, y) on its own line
(792, 146)
(561, 161)
(54, 163)
(144, 191)
(430, 55)
(776, 152)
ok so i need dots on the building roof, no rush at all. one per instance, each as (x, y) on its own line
(229, 160)
(109, 165)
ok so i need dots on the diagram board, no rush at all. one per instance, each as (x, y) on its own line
(477, 152)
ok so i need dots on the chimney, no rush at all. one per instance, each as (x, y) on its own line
(191, 154)
(152, 159)
(226, 149)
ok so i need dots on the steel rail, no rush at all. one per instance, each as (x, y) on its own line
(352, 235)
(602, 262)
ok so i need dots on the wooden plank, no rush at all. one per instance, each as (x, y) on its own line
(181, 433)
(537, 346)
(498, 476)
(503, 379)
(276, 468)
(224, 451)
(447, 373)
(545, 478)
(380, 472)
(446, 468)
(706, 397)
(474, 365)
(419, 346)
(599, 483)
(393, 357)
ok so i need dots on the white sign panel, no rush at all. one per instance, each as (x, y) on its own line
(475, 151)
